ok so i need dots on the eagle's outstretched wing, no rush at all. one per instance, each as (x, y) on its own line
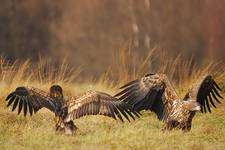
(148, 93)
(30, 99)
(98, 103)
(206, 93)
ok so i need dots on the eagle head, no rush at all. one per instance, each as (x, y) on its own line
(192, 105)
(56, 92)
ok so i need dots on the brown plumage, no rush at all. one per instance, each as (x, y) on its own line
(154, 92)
(67, 109)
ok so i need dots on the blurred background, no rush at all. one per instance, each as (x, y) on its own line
(86, 32)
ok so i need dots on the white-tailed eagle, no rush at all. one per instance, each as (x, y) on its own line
(31, 100)
(154, 92)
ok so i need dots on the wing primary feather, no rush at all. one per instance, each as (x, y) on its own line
(30, 107)
(207, 104)
(95, 108)
(15, 103)
(11, 100)
(201, 108)
(25, 106)
(130, 83)
(131, 88)
(20, 105)
(123, 113)
(112, 111)
(80, 113)
(125, 95)
(211, 101)
(128, 112)
(217, 86)
(77, 113)
(89, 109)
(137, 114)
(109, 111)
(102, 109)
(84, 109)
(29, 99)
(132, 102)
(214, 96)
(204, 108)
(9, 96)
(131, 96)
(217, 93)
(118, 113)
(92, 108)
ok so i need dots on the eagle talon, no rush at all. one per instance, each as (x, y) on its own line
(67, 127)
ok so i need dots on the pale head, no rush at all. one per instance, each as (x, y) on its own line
(192, 105)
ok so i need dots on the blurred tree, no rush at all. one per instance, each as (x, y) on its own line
(87, 31)
(214, 23)
(25, 25)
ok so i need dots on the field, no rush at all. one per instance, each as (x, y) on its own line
(98, 132)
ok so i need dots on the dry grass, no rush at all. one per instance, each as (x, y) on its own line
(182, 71)
(41, 75)
(97, 132)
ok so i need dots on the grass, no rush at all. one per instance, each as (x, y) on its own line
(98, 132)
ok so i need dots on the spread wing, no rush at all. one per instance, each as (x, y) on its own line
(146, 94)
(98, 103)
(30, 99)
(206, 93)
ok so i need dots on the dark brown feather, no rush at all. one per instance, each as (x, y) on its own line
(11, 100)
(130, 83)
(30, 99)
(15, 103)
(144, 93)
(204, 91)
(98, 103)
(20, 105)
(214, 96)
(207, 104)
(211, 101)
(25, 107)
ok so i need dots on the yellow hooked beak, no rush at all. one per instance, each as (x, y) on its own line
(55, 94)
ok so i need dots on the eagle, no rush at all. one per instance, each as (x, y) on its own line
(154, 92)
(31, 100)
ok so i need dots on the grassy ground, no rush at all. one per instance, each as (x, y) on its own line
(98, 132)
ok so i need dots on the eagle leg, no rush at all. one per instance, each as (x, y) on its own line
(171, 124)
(60, 125)
(65, 127)
(70, 127)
